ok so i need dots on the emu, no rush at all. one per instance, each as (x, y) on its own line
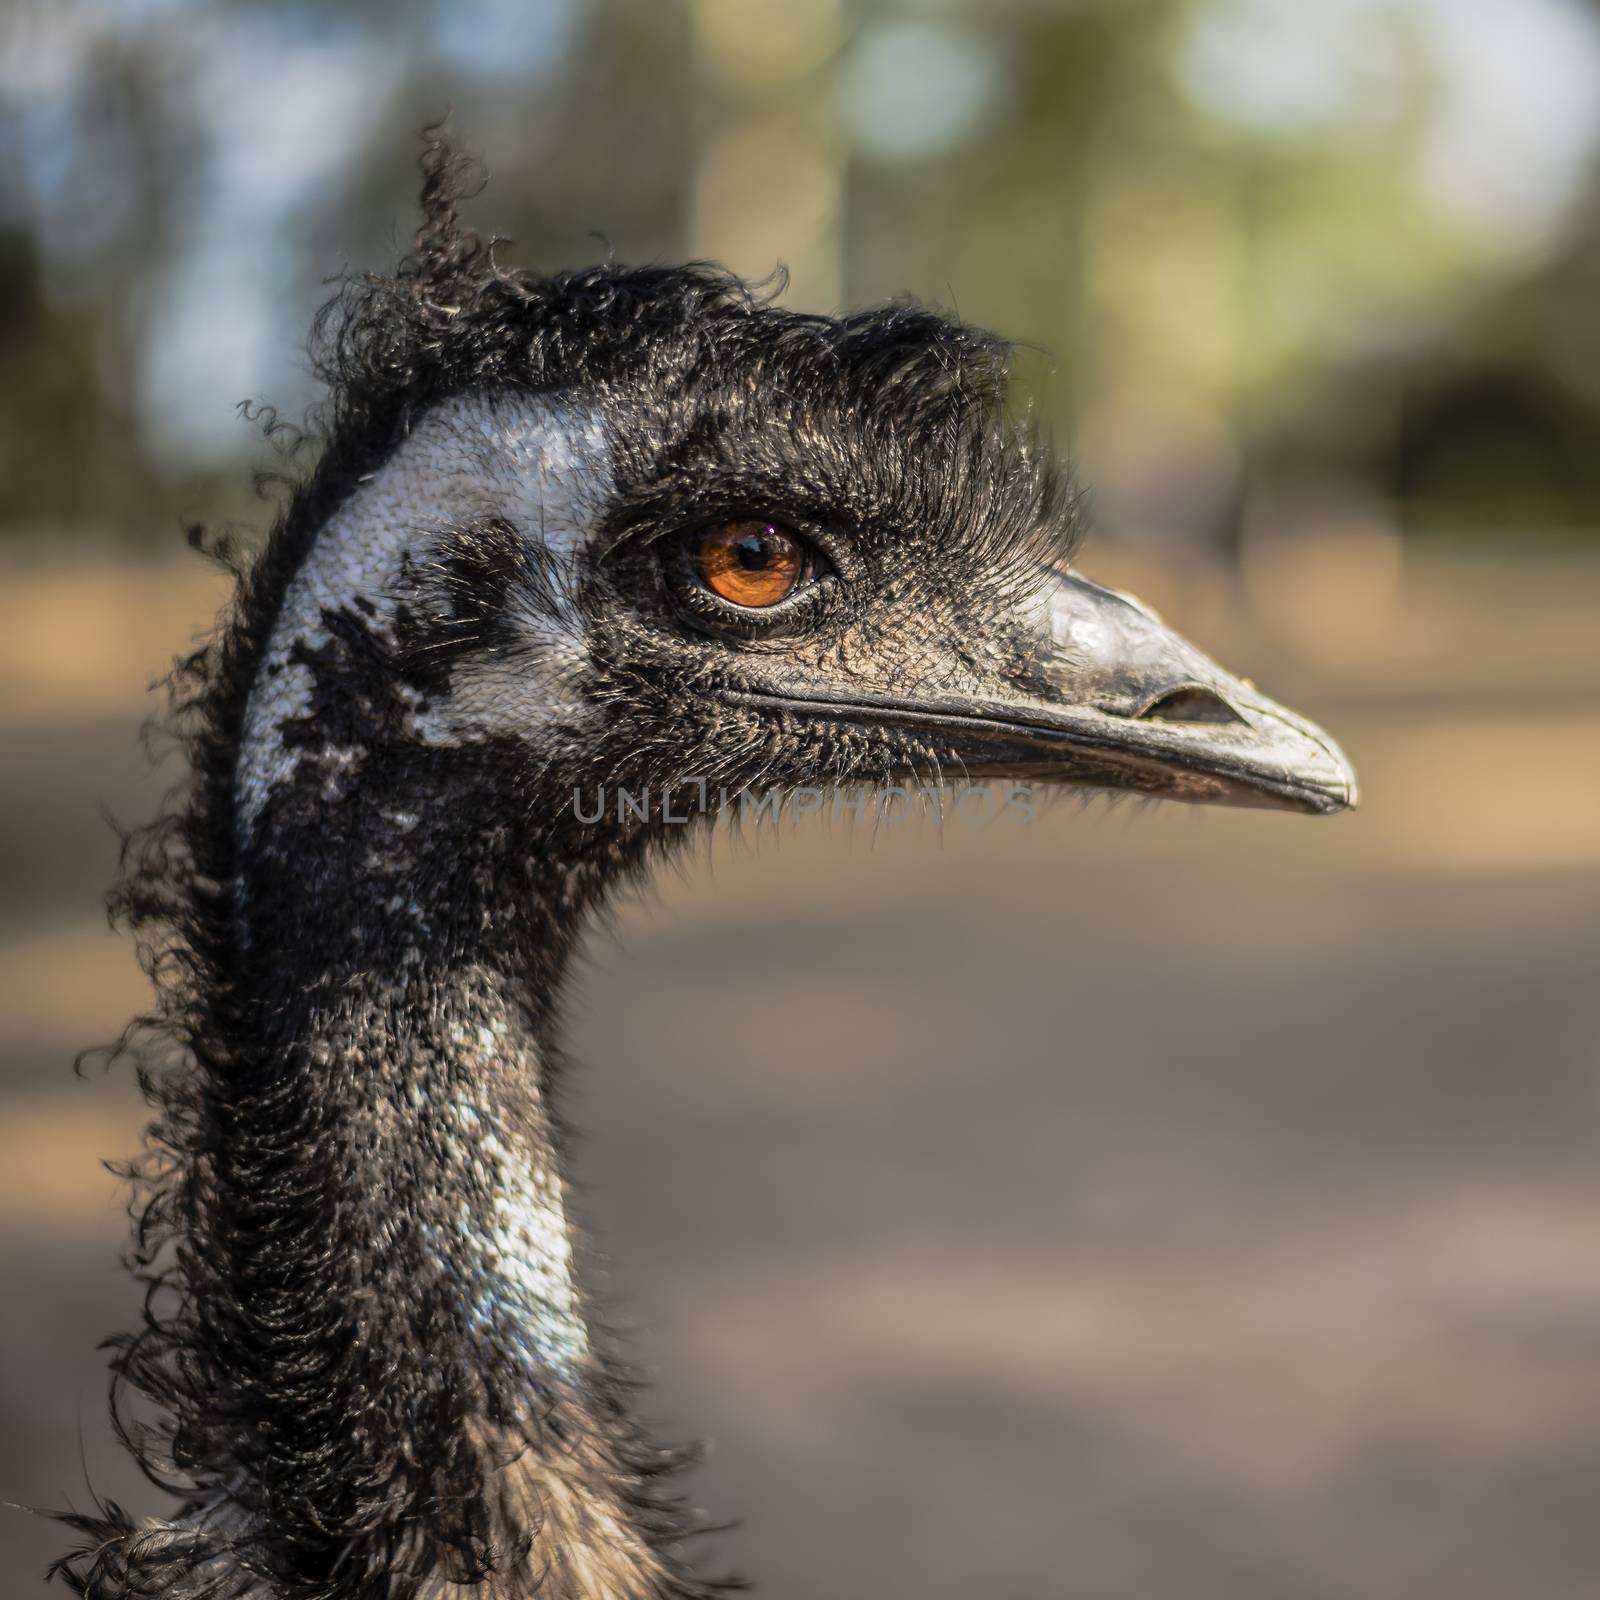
(620, 528)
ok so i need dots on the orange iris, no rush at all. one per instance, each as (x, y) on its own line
(751, 563)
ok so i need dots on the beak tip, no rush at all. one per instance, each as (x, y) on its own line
(1339, 791)
(1350, 800)
(1349, 796)
(1325, 775)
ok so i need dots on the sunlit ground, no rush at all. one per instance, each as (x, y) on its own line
(1135, 1203)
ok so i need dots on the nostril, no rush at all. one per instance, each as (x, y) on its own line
(1190, 704)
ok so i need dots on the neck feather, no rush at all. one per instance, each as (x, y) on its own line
(398, 1372)
(379, 1369)
(397, 1347)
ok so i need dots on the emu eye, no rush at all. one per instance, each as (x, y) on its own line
(752, 562)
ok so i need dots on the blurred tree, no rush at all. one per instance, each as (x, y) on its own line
(68, 454)
(1234, 236)
(980, 203)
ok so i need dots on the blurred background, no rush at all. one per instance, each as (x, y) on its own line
(1158, 1203)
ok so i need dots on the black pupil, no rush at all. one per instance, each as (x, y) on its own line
(755, 551)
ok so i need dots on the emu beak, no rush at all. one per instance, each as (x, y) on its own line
(1091, 688)
(1112, 697)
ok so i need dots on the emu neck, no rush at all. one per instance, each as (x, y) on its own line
(402, 1375)
(398, 1318)
(408, 1010)
(408, 1048)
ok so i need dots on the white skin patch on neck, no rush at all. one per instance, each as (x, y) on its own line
(517, 1261)
(534, 462)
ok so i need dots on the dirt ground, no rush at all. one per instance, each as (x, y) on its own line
(1135, 1203)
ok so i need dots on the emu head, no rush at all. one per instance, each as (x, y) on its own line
(643, 527)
